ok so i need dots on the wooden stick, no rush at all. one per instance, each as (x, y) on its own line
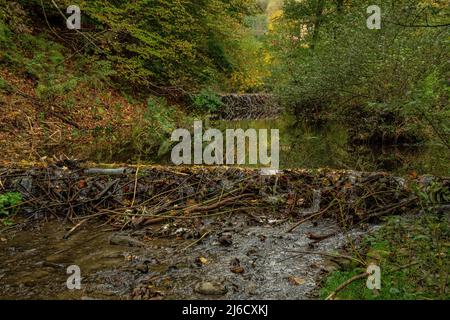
(295, 226)
(197, 241)
(346, 284)
(219, 204)
(69, 233)
(135, 187)
(330, 255)
(195, 210)
(101, 171)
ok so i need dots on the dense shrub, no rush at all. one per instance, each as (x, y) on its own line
(207, 101)
(329, 62)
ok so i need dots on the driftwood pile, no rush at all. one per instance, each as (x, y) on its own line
(141, 196)
(248, 106)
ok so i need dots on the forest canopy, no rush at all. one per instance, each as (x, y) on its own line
(157, 42)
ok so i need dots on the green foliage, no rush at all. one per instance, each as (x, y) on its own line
(432, 195)
(412, 252)
(43, 60)
(413, 257)
(159, 116)
(3, 84)
(147, 137)
(188, 43)
(430, 100)
(5, 35)
(8, 200)
(207, 101)
(328, 61)
(159, 42)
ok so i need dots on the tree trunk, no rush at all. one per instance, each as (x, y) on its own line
(317, 22)
(340, 6)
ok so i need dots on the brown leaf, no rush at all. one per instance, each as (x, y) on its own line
(81, 184)
(296, 281)
(238, 270)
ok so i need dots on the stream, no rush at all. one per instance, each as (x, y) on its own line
(311, 146)
(248, 259)
(239, 257)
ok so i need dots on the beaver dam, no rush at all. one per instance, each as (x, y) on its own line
(197, 232)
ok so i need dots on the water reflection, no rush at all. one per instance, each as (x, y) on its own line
(317, 145)
(307, 145)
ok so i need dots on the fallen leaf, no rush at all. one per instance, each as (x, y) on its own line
(81, 184)
(202, 260)
(296, 281)
(348, 185)
(237, 270)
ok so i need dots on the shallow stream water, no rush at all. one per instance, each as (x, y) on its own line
(34, 262)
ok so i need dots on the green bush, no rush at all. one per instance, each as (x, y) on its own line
(43, 60)
(159, 117)
(207, 101)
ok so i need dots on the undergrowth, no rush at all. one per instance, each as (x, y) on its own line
(413, 253)
(9, 203)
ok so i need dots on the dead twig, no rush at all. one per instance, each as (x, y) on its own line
(135, 187)
(219, 204)
(330, 255)
(196, 241)
(295, 226)
(346, 284)
(71, 231)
